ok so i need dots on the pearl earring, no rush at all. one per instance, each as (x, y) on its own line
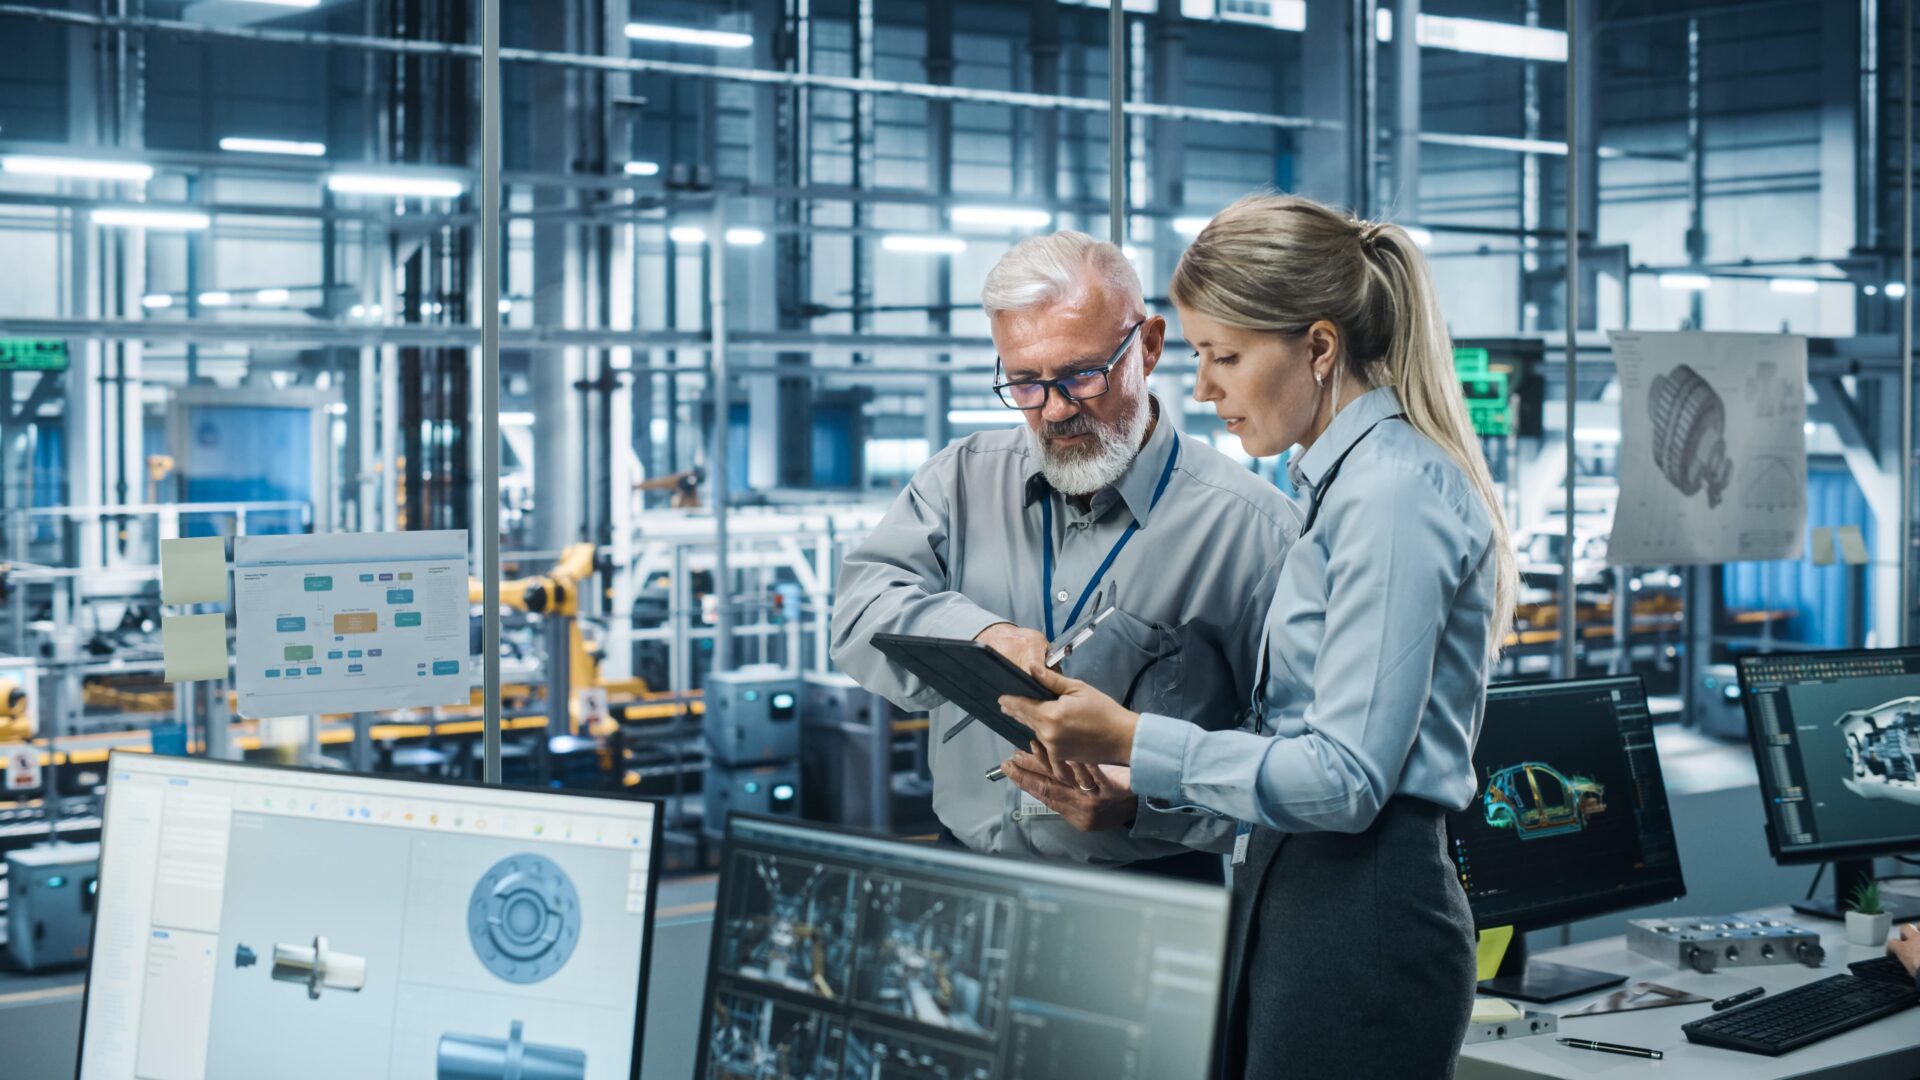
(1319, 380)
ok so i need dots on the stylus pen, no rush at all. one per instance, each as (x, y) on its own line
(1611, 1048)
(1740, 998)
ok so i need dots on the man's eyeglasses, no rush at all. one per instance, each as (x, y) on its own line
(1030, 394)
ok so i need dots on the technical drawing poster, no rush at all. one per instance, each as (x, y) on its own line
(1713, 448)
(350, 622)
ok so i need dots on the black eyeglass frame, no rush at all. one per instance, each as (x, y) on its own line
(1059, 385)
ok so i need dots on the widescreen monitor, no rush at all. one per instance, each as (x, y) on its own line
(258, 921)
(839, 955)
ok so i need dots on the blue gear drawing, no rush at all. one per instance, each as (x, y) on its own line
(524, 918)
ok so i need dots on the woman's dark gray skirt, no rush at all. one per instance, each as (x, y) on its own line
(1351, 955)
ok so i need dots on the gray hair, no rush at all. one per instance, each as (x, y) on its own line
(1047, 269)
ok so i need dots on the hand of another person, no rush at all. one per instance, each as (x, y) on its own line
(1026, 648)
(1905, 947)
(1081, 725)
(1090, 797)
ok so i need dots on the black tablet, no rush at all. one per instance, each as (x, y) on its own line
(969, 674)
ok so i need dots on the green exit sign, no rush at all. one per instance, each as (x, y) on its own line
(1487, 404)
(33, 354)
(1471, 363)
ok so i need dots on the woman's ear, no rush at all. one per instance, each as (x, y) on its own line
(1323, 347)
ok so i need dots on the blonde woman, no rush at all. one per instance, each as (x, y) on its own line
(1353, 947)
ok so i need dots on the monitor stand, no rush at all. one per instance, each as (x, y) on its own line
(1847, 873)
(1535, 981)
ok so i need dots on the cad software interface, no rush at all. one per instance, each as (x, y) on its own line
(839, 957)
(1571, 811)
(1838, 742)
(259, 922)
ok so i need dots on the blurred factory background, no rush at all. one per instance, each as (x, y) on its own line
(743, 244)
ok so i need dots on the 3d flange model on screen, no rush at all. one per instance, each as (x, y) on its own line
(1690, 432)
(315, 966)
(524, 918)
(1536, 800)
(1883, 750)
(477, 1057)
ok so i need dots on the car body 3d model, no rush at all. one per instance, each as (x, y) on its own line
(1536, 800)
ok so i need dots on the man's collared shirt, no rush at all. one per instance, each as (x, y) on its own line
(1377, 646)
(961, 549)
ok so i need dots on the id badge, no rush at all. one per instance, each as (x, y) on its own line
(1242, 837)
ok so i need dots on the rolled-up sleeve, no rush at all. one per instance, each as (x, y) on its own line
(1398, 552)
(896, 581)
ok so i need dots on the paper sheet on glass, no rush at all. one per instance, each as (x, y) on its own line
(193, 571)
(1713, 449)
(350, 622)
(194, 647)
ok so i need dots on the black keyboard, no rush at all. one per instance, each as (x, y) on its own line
(1806, 1014)
(1883, 969)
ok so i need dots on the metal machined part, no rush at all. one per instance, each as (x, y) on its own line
(316, 966)
(523, 918)
(1690, 433)
(477, 1057)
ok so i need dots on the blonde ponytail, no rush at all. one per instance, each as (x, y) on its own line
(1280, 262)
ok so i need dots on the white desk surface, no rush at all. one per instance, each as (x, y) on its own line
(1887, 1048)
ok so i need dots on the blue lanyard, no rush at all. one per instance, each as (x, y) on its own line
(1046, 551)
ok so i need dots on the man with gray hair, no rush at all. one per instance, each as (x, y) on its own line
(1020, 537)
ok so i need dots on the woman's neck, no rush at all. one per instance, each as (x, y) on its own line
(1353, 391)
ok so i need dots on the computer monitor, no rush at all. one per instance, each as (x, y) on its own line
(837, 954)
(1836, 738)
(264, 921)
(1569, 820)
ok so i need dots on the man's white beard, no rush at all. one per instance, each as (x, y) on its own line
(1085, 469)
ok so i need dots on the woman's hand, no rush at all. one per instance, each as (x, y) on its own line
(1082, 725)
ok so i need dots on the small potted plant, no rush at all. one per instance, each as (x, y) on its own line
(1868, 923)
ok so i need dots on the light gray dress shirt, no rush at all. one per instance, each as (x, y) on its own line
(1376, 647)
(961, 549)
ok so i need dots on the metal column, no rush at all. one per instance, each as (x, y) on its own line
(1569, 628)
(489, 313)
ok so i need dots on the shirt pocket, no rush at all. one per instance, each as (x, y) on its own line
(1174, 670)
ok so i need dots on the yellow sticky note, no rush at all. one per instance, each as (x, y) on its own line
(1494, 1011)
(1823, 546)
(1853, 546)
(193, 571)
(194, 646)
(1491, 950)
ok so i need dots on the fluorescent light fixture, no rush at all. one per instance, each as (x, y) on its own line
(1688, 282)
(745, 236)
(687, 35)
(506, 305)
(1801, 286)
(242, 145)
(151, 219)
(156, 301)
(1596, 435)
(1001, 215)
(404, 187)
(984, 417)
(925, 245)
(687, 234)
(216, 298)
(272, 296)
(1480, 36)
(516, 419)
(76, 168)
(1870, 290)
(641, 168)
(1420, 236)
(357, 311)
(1896, 290)
(373, 311)
(1190, 226)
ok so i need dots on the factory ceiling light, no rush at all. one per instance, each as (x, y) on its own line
(1801, 286)
(744, 236)
(1190, 226)
(240, 144)
(687, 234)
(925, 245)
(76, 168)
(1001, 215)
(216, 298)
(272, 296)
(1687, 282)
(156, 301)
(686, 35)
(642, 168)
(133, 216)
(416, 187)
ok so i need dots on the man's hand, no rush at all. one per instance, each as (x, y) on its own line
(1904, 946)
(1091, 798)
(1026, 648)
